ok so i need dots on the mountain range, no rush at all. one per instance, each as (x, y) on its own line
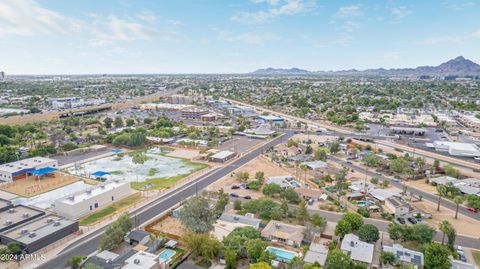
(459, 66)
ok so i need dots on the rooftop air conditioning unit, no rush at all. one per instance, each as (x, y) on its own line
(8, 222)
(49, 220)
(71, 197)
(277, 225)
(136, 261)
(56, 223)
(89, 191)
(11, 210)
(25, 215)
(32, 235)
(24, 231)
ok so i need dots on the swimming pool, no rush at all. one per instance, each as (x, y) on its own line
(166, 255)
(282, 254)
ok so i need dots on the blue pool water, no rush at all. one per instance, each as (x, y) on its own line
(167, 254)
(281, 253)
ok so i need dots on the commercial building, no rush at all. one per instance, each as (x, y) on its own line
(456, 148)
(164, 106)
(194, 113)
(284, 233)
(222, 156)
(39, 233)
(357, 250)
(12, 216)
(87, 201)
(405, 255)
(23, 168)
(273, 120)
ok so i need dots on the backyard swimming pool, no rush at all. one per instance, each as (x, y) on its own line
(282, 254)
(166, 255)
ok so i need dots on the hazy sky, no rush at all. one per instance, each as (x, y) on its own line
(220, 36)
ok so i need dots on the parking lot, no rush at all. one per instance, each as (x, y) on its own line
(239, 143)
(70, 159)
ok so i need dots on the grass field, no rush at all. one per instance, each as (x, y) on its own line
(110, 210)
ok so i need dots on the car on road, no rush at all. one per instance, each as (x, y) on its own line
(349, 162)
(412, 220)
(233, 194)
(401, 220)
(248, 197)
(472, 209)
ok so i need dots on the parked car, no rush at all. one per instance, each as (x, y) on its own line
(349, 162)
(412, 220)
(248, 197)
(233, 194)
(472, 209)
(234, 187)
(401, 220)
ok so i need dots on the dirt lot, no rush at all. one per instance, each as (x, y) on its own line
(184, 153)
(29, 187)
(172, 226)
(255, 165)
(463, 225)
(420, 184)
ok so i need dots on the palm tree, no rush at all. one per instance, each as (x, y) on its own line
(445, 227)
(305, 169)
(442, 191)
(457, 200)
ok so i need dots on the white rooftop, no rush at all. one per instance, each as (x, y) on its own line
(358, 250)
(25, 164)
(222, 154)
(141, 260)
(92, 192)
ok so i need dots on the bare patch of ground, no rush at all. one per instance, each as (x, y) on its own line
(28, 187)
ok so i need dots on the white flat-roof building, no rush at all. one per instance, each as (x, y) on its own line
(87, 201)
(222, 156)
(456, 148)
(20, 169)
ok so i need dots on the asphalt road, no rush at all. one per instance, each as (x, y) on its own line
(461, 240)
(88, 244)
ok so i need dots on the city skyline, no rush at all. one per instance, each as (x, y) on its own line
(88, 37)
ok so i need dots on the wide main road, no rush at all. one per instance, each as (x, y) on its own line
(88, 244)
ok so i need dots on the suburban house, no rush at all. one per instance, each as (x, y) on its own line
(309, 194)
(397, 207)
(228, 222)
(405, 255)
(357, 250)
(317, 252)
(137, 237)
(284, 233)
(283, 181)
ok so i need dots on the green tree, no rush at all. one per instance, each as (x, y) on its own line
(75, 261)
(458, 200)
(442, 191)
(255, 248)
(436, 256)
(318, 221)
(335, 147)
(196, 215)
(203, 244)
(320, 154)
(130, 122)
(237, 205)
(222, 201)
(452, 172)
(260, 176)
(291, 195)
(108, 122)
(336, 259)
(271, 189)
(342, 228)
(423, 233)
(395, 231)
(368, 233)
(230, 258)
(92, 266)
(260, 265)
(118, 122)
(355, 220)
(387, 258)
(301, 213)
(115, 232)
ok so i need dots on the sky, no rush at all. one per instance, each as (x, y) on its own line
(232, 36)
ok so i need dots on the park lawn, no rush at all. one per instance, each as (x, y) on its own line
(110, 210)
(476, 256)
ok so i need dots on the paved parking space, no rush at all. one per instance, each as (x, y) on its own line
(69, 159)
(239, 143)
